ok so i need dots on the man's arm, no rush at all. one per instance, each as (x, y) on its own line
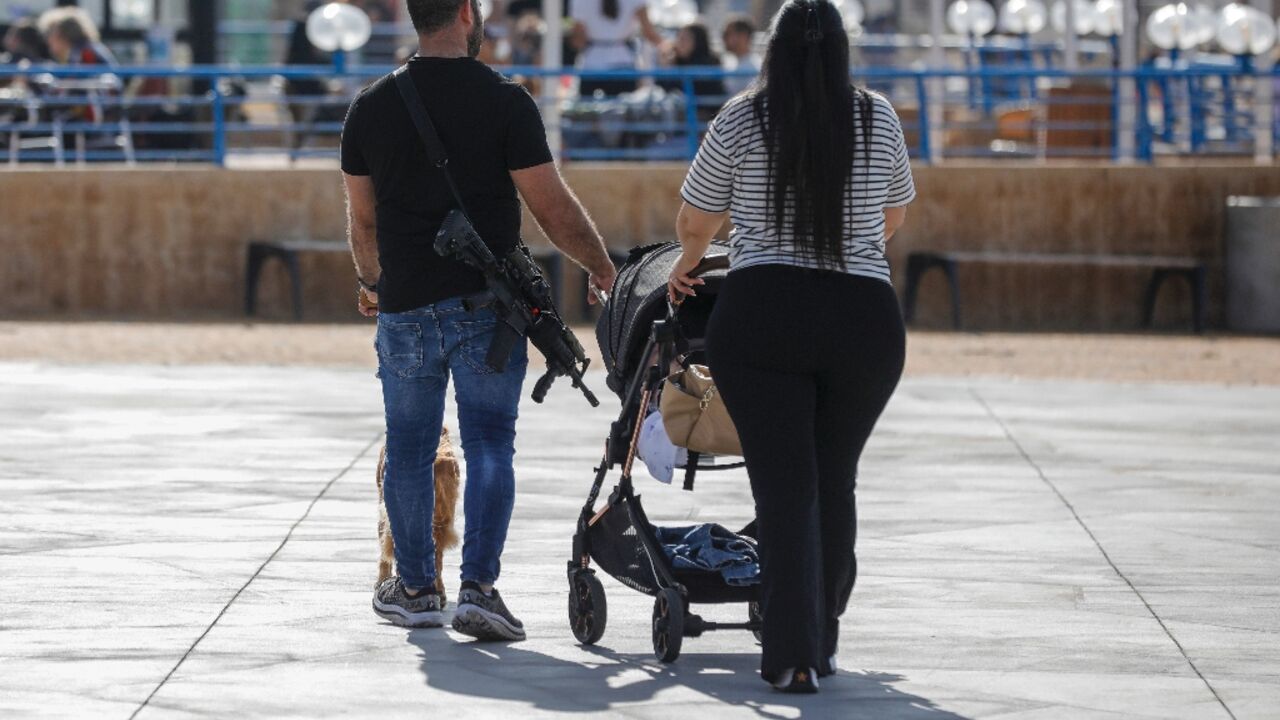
(565, 222)
(362, 234)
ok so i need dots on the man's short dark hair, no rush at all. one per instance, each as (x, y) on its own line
(740, 24)
(431, 15)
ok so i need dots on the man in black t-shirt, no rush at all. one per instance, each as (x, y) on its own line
(396, 201)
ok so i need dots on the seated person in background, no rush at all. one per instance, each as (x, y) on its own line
(526, 48)
(301, 52)
(23, 45)
(526, 40)
(73, 38)
(602, 34)
(739, 35)
(692, 49)
(318, 97)
(490, 51)
(23, 42)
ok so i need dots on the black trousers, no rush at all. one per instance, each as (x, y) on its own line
(806, 361)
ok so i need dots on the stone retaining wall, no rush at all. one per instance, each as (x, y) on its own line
(170, 243)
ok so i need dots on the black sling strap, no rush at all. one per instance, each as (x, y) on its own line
(427, 130)
(691, 469)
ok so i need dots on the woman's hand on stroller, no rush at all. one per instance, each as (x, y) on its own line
(680, 284)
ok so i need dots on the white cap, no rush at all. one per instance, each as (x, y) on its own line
(659, 454)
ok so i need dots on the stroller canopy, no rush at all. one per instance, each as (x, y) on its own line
(639, 298)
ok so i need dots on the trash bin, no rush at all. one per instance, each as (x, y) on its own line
(1253, 264)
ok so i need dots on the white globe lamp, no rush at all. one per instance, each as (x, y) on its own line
(1109, 18)
(1243, 30)
(974, 18)
(1086, 20)
(1176, 27)
(339, 28)
(1023, 17)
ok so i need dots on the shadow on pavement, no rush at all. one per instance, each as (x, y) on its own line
(496, 671)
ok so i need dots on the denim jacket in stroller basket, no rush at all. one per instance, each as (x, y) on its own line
(712, 547)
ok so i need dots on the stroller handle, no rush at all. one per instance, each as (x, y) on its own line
(710, 263)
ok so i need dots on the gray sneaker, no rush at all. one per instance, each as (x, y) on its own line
(485, 617)
(392, 602)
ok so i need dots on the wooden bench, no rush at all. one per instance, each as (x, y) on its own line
(287, 251)
(1194, 270)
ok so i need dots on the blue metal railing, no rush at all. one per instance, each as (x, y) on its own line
(977, 112)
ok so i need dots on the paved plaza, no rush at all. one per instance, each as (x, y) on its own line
(200, 542)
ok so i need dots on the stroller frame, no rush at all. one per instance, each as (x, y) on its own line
(619, 537)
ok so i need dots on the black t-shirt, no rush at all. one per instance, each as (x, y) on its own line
(489, 126)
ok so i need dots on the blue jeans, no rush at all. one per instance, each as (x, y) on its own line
(417, 351)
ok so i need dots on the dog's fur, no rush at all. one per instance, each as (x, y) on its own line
(442, 526)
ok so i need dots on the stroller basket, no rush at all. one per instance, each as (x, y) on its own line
(623, 544)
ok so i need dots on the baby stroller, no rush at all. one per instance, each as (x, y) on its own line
(641, 335)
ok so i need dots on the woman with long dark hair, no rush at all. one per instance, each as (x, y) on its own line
(806, 341)
(692, 49)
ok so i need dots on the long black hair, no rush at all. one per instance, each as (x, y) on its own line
(702, 53)
(806, 102)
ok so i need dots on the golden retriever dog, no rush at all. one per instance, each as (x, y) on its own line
(442, 527)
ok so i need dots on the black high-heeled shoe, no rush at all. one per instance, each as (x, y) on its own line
(804, 681)
(830, 669)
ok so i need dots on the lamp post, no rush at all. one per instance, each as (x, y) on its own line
(1122, 18)
(552, 60)
(1024, 18)
(932, 112)
(973, 19)
(1246, 32)
(1073, 18)
(1108, 22)
(1177, 28)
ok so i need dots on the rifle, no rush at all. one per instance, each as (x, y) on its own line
(522, 299)
(515, 289)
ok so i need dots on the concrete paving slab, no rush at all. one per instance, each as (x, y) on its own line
(200, 542)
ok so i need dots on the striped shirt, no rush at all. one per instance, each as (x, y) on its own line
(731, 172)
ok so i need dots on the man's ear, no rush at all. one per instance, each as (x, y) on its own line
(465, 14)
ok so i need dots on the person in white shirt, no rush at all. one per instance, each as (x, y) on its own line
(602, 33)
(739, 35)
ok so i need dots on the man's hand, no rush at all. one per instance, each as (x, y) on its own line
(600, 283)
(367, 303)
(566, 224)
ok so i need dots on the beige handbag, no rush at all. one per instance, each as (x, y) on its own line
(694, 413)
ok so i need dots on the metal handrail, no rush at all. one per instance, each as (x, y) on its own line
(927, 87)
(300, 72)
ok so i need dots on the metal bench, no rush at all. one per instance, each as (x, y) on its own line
(1162, 267)
(260, 251)
(287, 251)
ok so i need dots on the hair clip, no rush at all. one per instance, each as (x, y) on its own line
(812, 30)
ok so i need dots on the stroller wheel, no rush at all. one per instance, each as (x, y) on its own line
(587, 609)
(754, 615)
(668, 625)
